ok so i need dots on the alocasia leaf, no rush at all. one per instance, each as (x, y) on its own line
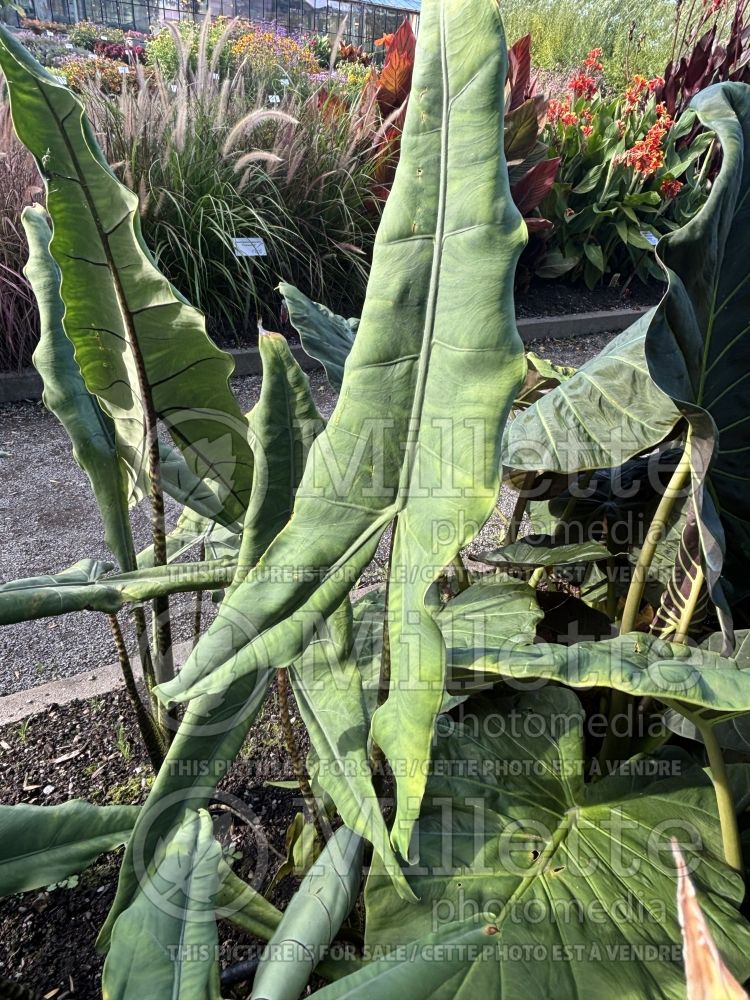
(91, 431)
(312, 919)
(166, 943)
(40, 845)
(85, 587)
(137, 341)
(607, 412)
(326, 337)
(283, 425)
(428, 385)
(578, 878)
(698, 340)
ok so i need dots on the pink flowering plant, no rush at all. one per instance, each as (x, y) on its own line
(629, 173)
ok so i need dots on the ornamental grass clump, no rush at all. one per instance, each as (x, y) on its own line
(213, 160)
(19, 185)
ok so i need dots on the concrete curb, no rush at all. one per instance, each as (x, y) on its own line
(97, 681)
(26, 384)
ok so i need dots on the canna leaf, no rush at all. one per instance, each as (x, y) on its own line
(312, 920)
(326, 337)
(135, 337)
(40, 845)
(166, 943)
(423, 346)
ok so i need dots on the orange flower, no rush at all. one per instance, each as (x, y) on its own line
(583, 84)
(634, 92)
(655, 83)
(671, 188)
(647, 155)
(592, 61)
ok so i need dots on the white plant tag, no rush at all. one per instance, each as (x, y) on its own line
(249, 246)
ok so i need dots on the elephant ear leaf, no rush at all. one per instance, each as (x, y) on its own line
(584, 424)
(141, 348)
(312, 920)
(165, 944)
(326, 337)
(40, 845)
(698, 341)
(91, 431)
(427, 389)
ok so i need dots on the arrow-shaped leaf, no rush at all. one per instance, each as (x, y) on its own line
(138, 344)
(428, 386)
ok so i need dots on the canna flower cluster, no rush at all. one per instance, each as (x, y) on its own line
(647, 155)
(592, 61)
(671, 188)
(559, 112)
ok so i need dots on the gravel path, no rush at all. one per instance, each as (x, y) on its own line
(48, 521)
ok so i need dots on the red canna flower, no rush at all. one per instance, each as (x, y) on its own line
(587, 130)
(671, 188)
(592, 61)
(583, 85)
(655, 82)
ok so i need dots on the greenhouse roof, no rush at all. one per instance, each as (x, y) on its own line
(411, 5)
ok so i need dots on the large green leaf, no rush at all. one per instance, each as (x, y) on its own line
(607, 412)
(539, 550)
(166, 943)
(132, 332)
(328, 689)
(84, 587)
(90, 430)
(283, 425)
(209, 738)
(312, 920)
(326, 337)
(578, 878)
(698, 341)
(431, 967)
(637, 663)
(40, 845)
(428, 385)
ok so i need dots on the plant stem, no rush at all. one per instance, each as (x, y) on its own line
(688, 611)
(311, 805)
(198, 602)
(655, 533)
(537, 576)
(730, 833)
(462, 574)
(149, 732)
(377, 757)
(522, 502)
(615, 746)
